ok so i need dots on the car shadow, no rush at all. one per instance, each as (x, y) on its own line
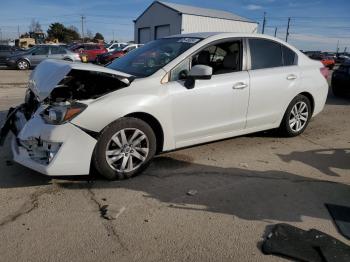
(247, 194)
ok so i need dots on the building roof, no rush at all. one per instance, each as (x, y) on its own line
(198, 11)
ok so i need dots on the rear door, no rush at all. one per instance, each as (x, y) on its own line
(57, 52)
(274, 76)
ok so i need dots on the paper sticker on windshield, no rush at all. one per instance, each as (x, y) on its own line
(188, 40)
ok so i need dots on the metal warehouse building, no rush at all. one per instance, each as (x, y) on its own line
(161, 19)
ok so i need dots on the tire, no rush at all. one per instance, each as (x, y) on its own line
(112, 153)
(22, 64)
(300, 111)
(337, 92)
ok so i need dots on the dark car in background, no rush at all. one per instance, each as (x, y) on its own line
(6, 51)
(35, 55)
(341, 80)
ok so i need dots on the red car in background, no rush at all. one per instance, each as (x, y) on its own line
(110, 56)
(88, 52)
(327, 61)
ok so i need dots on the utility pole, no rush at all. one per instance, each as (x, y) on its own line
(337, 47)
(0, 35)
(287, 34)
(82, 26)
(113, 36)
(264, 23)
(276, 31)
(18, 32)
(345, 49)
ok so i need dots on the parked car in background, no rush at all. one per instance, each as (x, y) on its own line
(115, 46)
(35, 55)
(341, 59)
(172, 93)
(341, 80)
(6, 51)
(327, 61)
(110, 56)
(88, 52)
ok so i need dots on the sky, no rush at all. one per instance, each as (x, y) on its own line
(315, 24)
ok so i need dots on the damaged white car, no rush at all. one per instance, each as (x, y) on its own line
(172, 93)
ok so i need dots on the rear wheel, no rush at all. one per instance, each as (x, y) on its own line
(296, 117)
(124, 149)
(22, 64)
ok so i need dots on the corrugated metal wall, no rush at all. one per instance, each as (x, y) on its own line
(192, 23)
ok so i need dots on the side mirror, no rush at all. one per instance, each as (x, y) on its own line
(198, 72)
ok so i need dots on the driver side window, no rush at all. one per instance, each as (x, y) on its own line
(223, 57)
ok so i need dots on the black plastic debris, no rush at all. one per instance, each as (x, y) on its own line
(309, 246)
(341, 217)
(105, 213)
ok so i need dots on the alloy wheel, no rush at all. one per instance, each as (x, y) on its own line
(127, 150)
(298, 116)
(22, 65)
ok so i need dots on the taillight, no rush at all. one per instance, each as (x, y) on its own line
(324, 72)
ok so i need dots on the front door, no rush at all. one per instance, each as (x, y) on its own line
(39, 54)
(214, 108)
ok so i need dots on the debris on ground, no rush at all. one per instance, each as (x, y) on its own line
(341, 217)
(192, 192)
(313, 245)
(244, 165)
(105, 213)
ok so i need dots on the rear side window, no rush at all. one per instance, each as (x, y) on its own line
(265, 54)
(58, 50)
(289, 57)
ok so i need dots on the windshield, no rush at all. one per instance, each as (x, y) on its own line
(146, 60)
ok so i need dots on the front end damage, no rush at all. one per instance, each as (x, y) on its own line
(44, 138)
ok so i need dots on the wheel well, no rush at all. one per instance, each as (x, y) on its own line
(311, 99)
(25, 59)
(154, 124)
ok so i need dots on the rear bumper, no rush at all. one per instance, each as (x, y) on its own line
(61, 150)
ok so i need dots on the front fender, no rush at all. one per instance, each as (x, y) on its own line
(104, 111)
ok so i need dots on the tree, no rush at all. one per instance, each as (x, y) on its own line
(98, 36)
(62, 33)
(35, 26)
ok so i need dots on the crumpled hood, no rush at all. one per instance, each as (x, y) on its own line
(49, 73)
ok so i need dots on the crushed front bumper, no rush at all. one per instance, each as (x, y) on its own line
(53, 150)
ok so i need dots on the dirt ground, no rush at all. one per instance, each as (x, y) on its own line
(241, 186)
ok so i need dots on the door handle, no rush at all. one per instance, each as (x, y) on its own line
(291, 77)
(239, 85)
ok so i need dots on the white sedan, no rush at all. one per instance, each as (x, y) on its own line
(171, 93)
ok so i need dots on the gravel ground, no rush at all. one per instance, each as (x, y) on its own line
(238, 188)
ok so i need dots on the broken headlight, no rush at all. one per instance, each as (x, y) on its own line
(61, 113)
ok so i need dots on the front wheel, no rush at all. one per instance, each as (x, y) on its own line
(124, 148)
(296, 117)
(22, 64)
